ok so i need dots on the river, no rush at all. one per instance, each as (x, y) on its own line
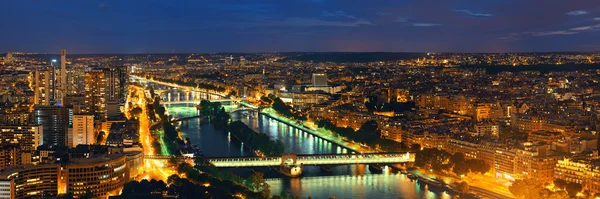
(349, 181)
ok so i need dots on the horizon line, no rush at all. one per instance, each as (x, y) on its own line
(276, 52)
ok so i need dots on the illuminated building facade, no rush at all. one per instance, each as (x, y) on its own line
(103, 176)
(584, 171)
(105, 87)
(43, 84)
(28, 137)
(55, 122)
(82, 131)
(319, 80)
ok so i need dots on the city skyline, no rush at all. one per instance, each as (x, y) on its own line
(302, 26)
(236, 99)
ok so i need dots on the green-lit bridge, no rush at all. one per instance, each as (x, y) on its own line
(337, 159)
(226, 100)
(334, 159)
(292, 164)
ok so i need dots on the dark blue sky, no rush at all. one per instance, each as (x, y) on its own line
(127, 26)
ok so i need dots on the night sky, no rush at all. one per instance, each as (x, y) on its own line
(148, 26)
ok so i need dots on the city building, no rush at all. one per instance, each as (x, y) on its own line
(10, 155)
(536, 162)
(96, 92)
(104, 91)
(5, 191)
(584, 171)
(55, 122)
(28, 137)
(82, 131)
(102, 175)
(319, 80)
(487, 129)
(43, 86)
(62, 78)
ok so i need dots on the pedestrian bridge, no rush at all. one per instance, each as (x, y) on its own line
(306, 160)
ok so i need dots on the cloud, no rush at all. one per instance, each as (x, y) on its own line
(577, 12)
(548, 33)
(312, 22)
(426, 24)
(571, 31)
(338, 13)
(597, 19)
(401, 20)
(584, 28)
(475, 14)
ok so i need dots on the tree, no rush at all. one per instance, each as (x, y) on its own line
(266, 100)
(527, 188)
(259, 184)
(560, 183)
(478, 166)
(415, 147)
(460, 168)
(573, 189)
(136, 111)
(458, 157)
(547, 194)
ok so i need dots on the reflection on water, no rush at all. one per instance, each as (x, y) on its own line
(344, 181)
(367, 186)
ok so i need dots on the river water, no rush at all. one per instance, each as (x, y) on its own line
(349, 181)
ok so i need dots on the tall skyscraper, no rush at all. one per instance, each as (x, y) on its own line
(104, 87)
(319, 79)
(43, 86)
(97, 91)
(55, 122)
(75, 80)
(118, 81)
(81, 131)
(62, 78)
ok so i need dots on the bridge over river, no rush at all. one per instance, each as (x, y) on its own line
(295, 162)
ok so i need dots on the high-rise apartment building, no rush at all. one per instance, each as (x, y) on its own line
(62, 78)
(319, 79)
(55, 122)
(96, 91)
(118, 80)
(28, 137)
(43, 83)
(81, 131)
(104, 87)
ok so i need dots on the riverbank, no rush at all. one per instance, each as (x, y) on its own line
(328, 136)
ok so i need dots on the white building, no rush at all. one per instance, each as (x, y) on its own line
(6, 189)
(82, 131)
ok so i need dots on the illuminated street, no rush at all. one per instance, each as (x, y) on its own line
(154, 169)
